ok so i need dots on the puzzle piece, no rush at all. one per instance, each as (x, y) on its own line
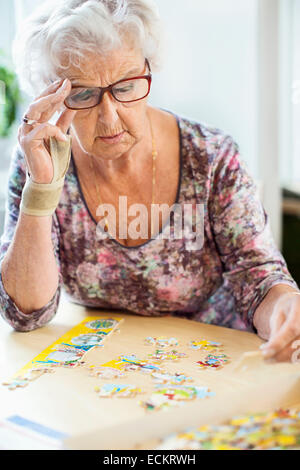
(105, 372)
(161, 355)
(213, 361)
(23, 380)
(133, 363)
(171, 395)
(171, 379)
(161, 341)
(101, 324)
(120, 391)
(205, 345)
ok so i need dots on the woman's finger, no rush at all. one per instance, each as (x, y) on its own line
(290, 353)
(278, 319)
(50, 88)
(43, 108)
(36, 147)
(281, 340)
(41, 132)
(65, 119)
(287, 330)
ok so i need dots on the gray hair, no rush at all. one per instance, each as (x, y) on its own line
(58, 30)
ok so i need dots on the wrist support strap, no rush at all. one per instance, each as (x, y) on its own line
(41, 199)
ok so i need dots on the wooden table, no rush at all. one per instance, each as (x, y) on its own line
(66, 401)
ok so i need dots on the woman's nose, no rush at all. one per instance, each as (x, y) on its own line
(107, 109)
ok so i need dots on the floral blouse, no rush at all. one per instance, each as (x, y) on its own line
(222, 282)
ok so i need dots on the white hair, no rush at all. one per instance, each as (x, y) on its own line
(59, 33)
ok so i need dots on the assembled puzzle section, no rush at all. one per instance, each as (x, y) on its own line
(67, 351)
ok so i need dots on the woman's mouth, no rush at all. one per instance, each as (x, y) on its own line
(112, 139)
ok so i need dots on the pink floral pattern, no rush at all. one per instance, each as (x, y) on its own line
(221, 283)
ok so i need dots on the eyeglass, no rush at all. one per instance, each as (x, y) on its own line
(124, 91)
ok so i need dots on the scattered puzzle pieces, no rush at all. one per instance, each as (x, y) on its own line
(277, 430)
(23, 380)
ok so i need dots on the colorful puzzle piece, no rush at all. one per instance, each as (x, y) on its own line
(171, 395)
(22, 381)
(133, 363)
(103, 372)
(213, 361)
(161, 341)
(171, 379)
(160, 355)
(205, 345)
(120, 391)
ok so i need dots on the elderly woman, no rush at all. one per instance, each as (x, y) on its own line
(91, 61)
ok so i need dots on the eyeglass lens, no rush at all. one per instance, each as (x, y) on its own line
(124, 91)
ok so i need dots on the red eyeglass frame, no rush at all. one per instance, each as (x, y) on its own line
(109, 89)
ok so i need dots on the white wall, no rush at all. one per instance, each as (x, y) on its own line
(210, 72)
(7, 32)
(295, 164)
(223, 64)
(7, 23)
(268, 128)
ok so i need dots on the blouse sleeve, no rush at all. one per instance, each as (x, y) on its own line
(251, 261)
(9, 311)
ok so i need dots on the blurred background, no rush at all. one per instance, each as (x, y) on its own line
(230, 64)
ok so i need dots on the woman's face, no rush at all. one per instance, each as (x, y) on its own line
(109, 117)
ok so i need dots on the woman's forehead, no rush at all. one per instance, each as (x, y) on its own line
(112, 67)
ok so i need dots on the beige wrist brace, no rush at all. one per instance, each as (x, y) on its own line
(41, 199)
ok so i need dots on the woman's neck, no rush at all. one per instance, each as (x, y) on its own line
(130, 164)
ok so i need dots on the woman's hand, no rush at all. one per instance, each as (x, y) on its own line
(284, 339)
(34, 139)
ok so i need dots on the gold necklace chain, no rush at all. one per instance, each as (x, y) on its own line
(154, 155)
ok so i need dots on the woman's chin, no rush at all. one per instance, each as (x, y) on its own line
(110, 151)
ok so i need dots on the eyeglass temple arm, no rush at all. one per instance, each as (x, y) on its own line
(147, 62)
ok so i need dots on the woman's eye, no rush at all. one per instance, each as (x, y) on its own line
(84, 95)
(124, 89)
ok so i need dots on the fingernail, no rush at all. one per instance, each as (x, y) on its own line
(64, 82)
(269, 352)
